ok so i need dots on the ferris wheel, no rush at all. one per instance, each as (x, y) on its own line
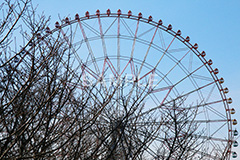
(161, 87)
(155, 94)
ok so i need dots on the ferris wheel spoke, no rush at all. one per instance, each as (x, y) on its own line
(168, 122)
(219, 128)
(165, 75)
(159, 108)
(110, 26)
(209, 103)
(155, 123)
(155, 99)
(70, 46)
(210, 93)
(208, 107)
(195, 76)
(77, 57)
(140, 35)
(89, 47)
(118, 59)
(134, 41)
(178, 50)
(190, 62)
(146, 54)
(99, 80)
(111, 66)
(163, 54)
(128, 63)
(211, 121)
(74, 34)
(79, 44)
(93, 30)
(187, 76)
(196, 90)
(210, 138)
(162, 39)
(131, 92)
(88, 70)
(118, 47)
(102, 37)
(127, 27)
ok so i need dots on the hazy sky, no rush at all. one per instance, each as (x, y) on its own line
(213, 24)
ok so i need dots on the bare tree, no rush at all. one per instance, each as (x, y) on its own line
(47, 112)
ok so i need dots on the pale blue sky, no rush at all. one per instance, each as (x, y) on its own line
(213, 24)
